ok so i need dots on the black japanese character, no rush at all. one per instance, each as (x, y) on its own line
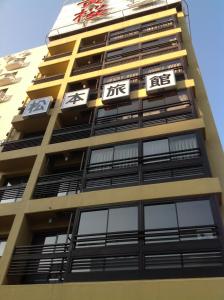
(160, 80)
(116, 90)
(38, 105)
(75, 98)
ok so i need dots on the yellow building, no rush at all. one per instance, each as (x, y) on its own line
(16, 73)
(116, 190)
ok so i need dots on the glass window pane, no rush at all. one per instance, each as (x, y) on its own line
(123, 219)
(155, 147)
(160, 216)
(126, 152)
(93, 222)
(183, 142)
(194, 213)
(62, 238)
(132, 106)
(105, 112)
(2, 247)
(100, 157)
(50, 240)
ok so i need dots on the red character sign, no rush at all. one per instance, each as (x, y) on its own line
(91, 9)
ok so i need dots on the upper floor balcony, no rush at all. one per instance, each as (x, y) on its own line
(143, 162)
(12, 189)
(31, 141)
(162, 109)
(175, 238)
(127, 33)
(126, 55)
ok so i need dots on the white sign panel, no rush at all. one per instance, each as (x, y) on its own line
(37, 107)
(88, 13)
(159, 81)
(116, 90)
(75, 98)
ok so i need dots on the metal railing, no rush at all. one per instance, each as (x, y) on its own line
(145, 117)
(159, 48)
(48, 78)
(55, 56)
(20, 144)
(159, 253)
(10, 194)
(145, 29)
(57, 185)
(161, 167)
(71, 133)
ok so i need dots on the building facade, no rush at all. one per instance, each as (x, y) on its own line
(113, 186)
(16, 73)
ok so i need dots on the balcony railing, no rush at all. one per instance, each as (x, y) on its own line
(71, 133)
(39, 263)
(176, 165)
(57, 185)
(162, 167)
(157, 48)
(20, 144)
(120, 36)
(137, 77)
(144, 29)
(48, 78)
(87, 68)
(160, 253)
(9, 194)
(51, 57)
(90, 46)
(145, 117)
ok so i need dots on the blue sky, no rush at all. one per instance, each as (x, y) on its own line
(25, 23)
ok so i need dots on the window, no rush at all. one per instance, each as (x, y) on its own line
(175, 148)
(94, 226)
(194, 213)
(114, 157)
(163, 221)
(2, 246)
(122, 110)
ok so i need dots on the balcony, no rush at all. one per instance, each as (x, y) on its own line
(10, 194)
(126, 55)
(137, 76)
(45, 78)
(121, 165)
(7, 78)
(58, 185)
(128, 33)
(134, 241)
(146, 113)
(55, 56)
(75, 124)
(93, 42)
(142, 30)
(16, 63)
(177, 165)
(141, 51)
(87, 64)
(21, 144)
(71, 133)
